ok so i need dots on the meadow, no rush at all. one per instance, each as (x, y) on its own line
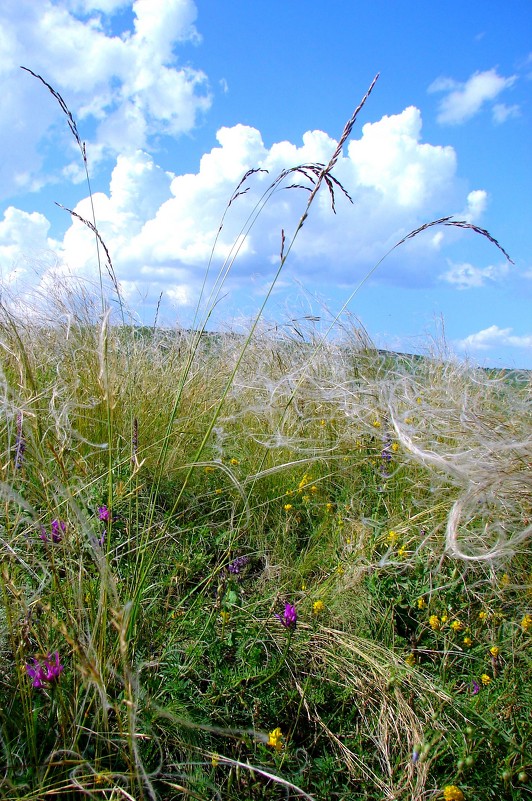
(272, 564)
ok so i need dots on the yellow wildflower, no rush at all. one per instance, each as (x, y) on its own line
(495, 651)
(329, 506)
(457, 625)
(434, 622)
(505, 580)
(234, 461)
(275, 739)
(215, 760)
(419, 400)
(314, 488)
(410, 660)
(452, 793)
(468, 641)
(377, 424)
(340, 570)
(402, 552)
(392, 536)
(304, 481)
(444, 618)
(218, 491)
(421, 603)
(287, 507)
(485, 679)
(322, 422)
(395, 447)
(225, 616)
(526, 623)
(317, 607)
(483, 616)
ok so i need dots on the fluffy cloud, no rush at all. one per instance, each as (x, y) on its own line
(495, 337)
(466, 276)
(160, 228)
(24, 242)
(129, 89)
(463, 100)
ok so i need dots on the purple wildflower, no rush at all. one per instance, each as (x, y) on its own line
(475, 688)
(104, 513)
(237, 564)
(58, 528)
(386, 453)
(44, 670)
(289, 617)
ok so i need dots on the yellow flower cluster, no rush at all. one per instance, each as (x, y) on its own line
(495, 651)
(317, 607)
(275, 739)
(452, 793)
(485, 679)
(304, 482)
(468, 642)
(526, 623)
(434, 622)
(457, 625)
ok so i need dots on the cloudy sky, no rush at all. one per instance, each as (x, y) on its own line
(176, 100)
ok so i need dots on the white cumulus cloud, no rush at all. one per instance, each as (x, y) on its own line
(462, 101)
(160, 228)
(495, 337)
(466, 276)
(129, 87)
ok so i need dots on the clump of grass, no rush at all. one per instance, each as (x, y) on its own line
(168, 495)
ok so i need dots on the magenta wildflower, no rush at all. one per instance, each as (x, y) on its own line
(289, 617)
(44, 670)
(475, 688)
(104, 513)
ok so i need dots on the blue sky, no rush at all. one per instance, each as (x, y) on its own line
(177, 99)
